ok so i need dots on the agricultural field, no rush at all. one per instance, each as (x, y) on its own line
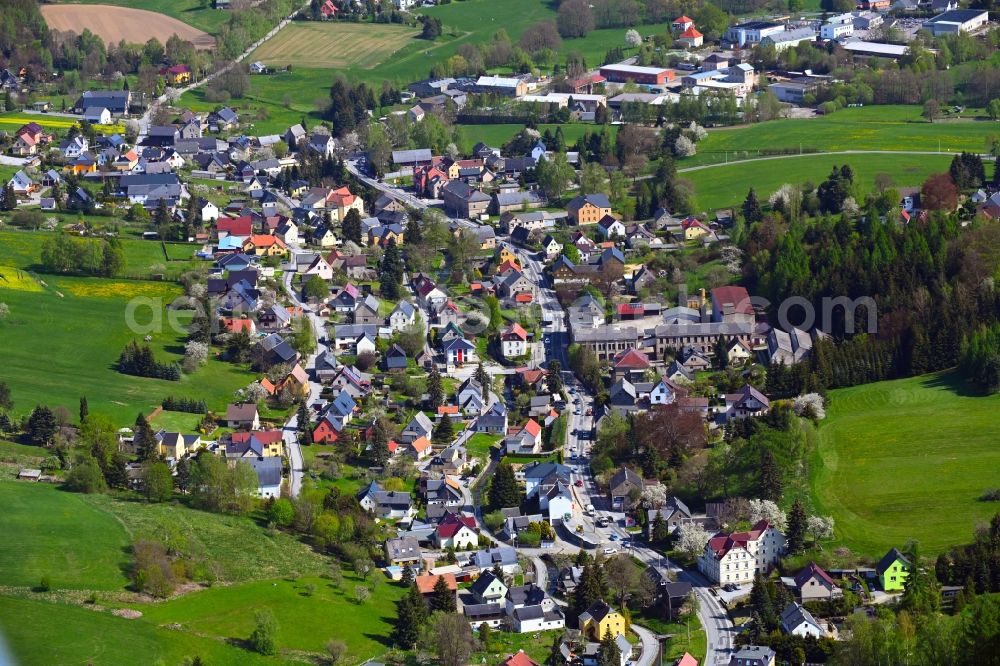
(334, 45)
(906, 459)
(724, 186)
(139, 20)
(894, 128)
(10, 122)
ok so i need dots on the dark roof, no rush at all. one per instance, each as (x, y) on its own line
(482, 583)
(599, 610)
(268, 470)
(888, 559)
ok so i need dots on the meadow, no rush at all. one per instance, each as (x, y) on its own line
(907, 459)
(332, 45)
(724, 186)
(895, 128)
(64, 335)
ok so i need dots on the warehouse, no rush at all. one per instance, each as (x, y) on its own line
(653, 76)
(957, 20)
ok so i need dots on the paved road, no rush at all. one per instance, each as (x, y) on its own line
(395, 193)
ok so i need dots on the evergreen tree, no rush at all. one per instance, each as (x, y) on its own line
(660, 530)
(379, 444)
(303, 417)
(556, 657)
(444, 432)
(762, 606)
(391, 278)
(921, 595)
(9, 199)
(588, 590)
(144, 441)
(183, 474)
(770, 476)
(483, 378)
(351, 226)
(84, 409)
(443, 599)
(795, 536)
(411, 614)
(42, 426)
(435, 391)
(408, 576)
(553, 378)
(609, 654)
(505, 492)
(497, 572)
(751, 208)
(719, 352)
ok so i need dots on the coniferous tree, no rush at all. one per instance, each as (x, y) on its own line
(443, 599)
(391, 278)
(435, 391)
(411, 614)
(505, 492)
(84, 409)
(42, 426)
(770, 477)
(751, 208)
(795, 537)
(444, 432)
(379, 445)
(609, 654)
(144, 441)
(351, 226)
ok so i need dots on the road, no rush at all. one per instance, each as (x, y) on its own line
(719, 630)
(291, 428)
(395, 193)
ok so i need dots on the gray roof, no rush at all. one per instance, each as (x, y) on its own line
(268, 470)
(410, 156)
(402, 548)
(794, 615)
(517, 198)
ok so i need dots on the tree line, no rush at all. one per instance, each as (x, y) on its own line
(139, 360)
(83, 256)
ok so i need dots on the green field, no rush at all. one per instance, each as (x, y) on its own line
(196, 13)
(866, 128)
(86, 637)
(497, 135)
(57, 534)
(907, 459)
(335, 44)
(727, 185)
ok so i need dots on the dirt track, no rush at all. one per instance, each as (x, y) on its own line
(113, 24)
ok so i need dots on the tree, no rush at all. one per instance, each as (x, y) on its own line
(337, 650)
(684, 147)
(143, 440)
(540, 36)
(264, 638)
(6, 401)
(609, 654)
(9, 199)
(453, 639)
(932, 109)
(553, 377)
(770, 476)
(42, 425)
(444, 432)
(690, 539)
(351, 226)
(769, 511)
(435, 391)
(505, 492)
(303, 336)
(622, 576)
(762, 605)
(820, 527)
(939, 193)
(751, 208)
(380, 443)
(443, 598)
(575, 19)
(157, 482)
(660, 530)
(795, 537)
(554, 174)
(84, 408)
(993, 109)
(391, 276)
(485, 636)
(632, 38)
(411, 614)
(85, 475)
(315, 288)
(281, 512)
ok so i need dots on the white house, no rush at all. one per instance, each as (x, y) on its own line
(403, 315)
(738, 557)
(288, 231)
(797, 621)
(458, 532)
(321, 268)
(551, 247)
(665, 393)
(611, 228)
(209, 212)
(268, 476)
(97, 115)
(748, 402)
(514, 341)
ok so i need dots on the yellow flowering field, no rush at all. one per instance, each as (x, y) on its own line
(16, 279)
(105, 288)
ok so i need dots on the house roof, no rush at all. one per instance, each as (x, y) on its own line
(625, 475)
(691, 33)
(723, 543)
(888, 559)
(244, 412)
(425, 584)
(795, 615)
(268, 470)
(452, 523)
(632, 359)
(810, 571)
(519, 659)
(598, 611)
(533, 428)
(483, 583)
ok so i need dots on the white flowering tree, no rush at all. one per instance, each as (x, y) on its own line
(810, 405)
(633, 38)
(195, 355)
(769, 511)
(697, 131)
(684, 147)
(820, 527)
(691, 539)
(654, 496)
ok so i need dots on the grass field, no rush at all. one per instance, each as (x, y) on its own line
(727, 185)
(907, 459)
(52, 533)
(176, 421)
(866, 128)
(195, 13)
(305, 622)
(93, 638)
(497, 135)
(480, 445)
(334, 45)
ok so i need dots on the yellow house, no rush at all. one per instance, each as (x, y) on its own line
(175, 445)
(694, 229)
(601, 619)
(176, 75)
(455, 168)
(256, 443)
(297, 382)
(264, 245)
(588, 209)
(83, 164)
(340, 201)
(506, 255)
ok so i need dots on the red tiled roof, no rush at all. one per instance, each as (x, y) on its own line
(425, 584)
(738, 297)
(691, 32)
(683, 19)
(452, 523)
(631, 308)
(523, 297)
(724, 543)
(519, 659)
(233, 325)
(532, 428)
(262, 436)
(515, 330)
(420, 444)
(687, 660)
(632, 359)
(237, 226)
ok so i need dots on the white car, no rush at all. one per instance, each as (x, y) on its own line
(610, 551)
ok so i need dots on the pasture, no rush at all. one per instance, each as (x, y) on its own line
(113, 24)
(895, 128)
(906, 459)
(723, 186)
(334, 45)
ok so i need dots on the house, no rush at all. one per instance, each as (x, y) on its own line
(73, 148)
(738, 557)
(265, 245)
(601, 620)
(631, 364)
(464, 201)
(519, 659)
(97, 115)
(327, 431)
(22, 184)
(507, 202)
(892, 571)
(456, 531)
(176, 74)
(175, 445)
(588, 208)
(459, 351)
(367, 311)
(426, 584)
(445, 491)
(488, 588)
(788, 348)
(386, 504)
(502, 557)
(686, 660)
(753, 655)
(395, 358)
(624, 488)
(268, 471)
(403, 551)
(610, 228)
(244, 416)
(115, 101)
(666, 391)
(797, 621)
(674, 514)
(690, 38)
(748, 402)
(223, 119)
(516, 287)
(813, 583)
(514, 341)
(419, 426)
(402, 316)
(320, 268)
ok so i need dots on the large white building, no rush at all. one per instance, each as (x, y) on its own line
(752, 32)
(738, 557)
(957, 20)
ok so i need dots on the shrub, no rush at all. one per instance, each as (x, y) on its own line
(991, 495)
(263, 638)
(45, 584)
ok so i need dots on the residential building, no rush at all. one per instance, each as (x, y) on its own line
(812, 583)
(653, 76)
(588, 208)
(403, 551)
(624, 489)
(514, 341)
(798, 621)
(752, 32)
(892, 571)
(753, 655)
(738, 557)
(600, 620)
(746, 403)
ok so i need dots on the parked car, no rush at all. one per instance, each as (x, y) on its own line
(610, 551)
(579, 483)
(730, 587)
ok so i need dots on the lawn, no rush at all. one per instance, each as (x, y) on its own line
(334, 45)
(727, 185)
(93, 638)
(52, 533)
(497, 135)
(907, 459)
(679, 643)
(184, 422)
(306, 622)
(865, 128)
(480, 445)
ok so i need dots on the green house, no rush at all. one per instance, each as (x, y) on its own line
(892, 571)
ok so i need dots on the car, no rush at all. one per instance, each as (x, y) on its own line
(730, 587)
(613, 537)
(579, 483)
(610, 551)
(577, 411)
(590, 412)
(626, 543)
